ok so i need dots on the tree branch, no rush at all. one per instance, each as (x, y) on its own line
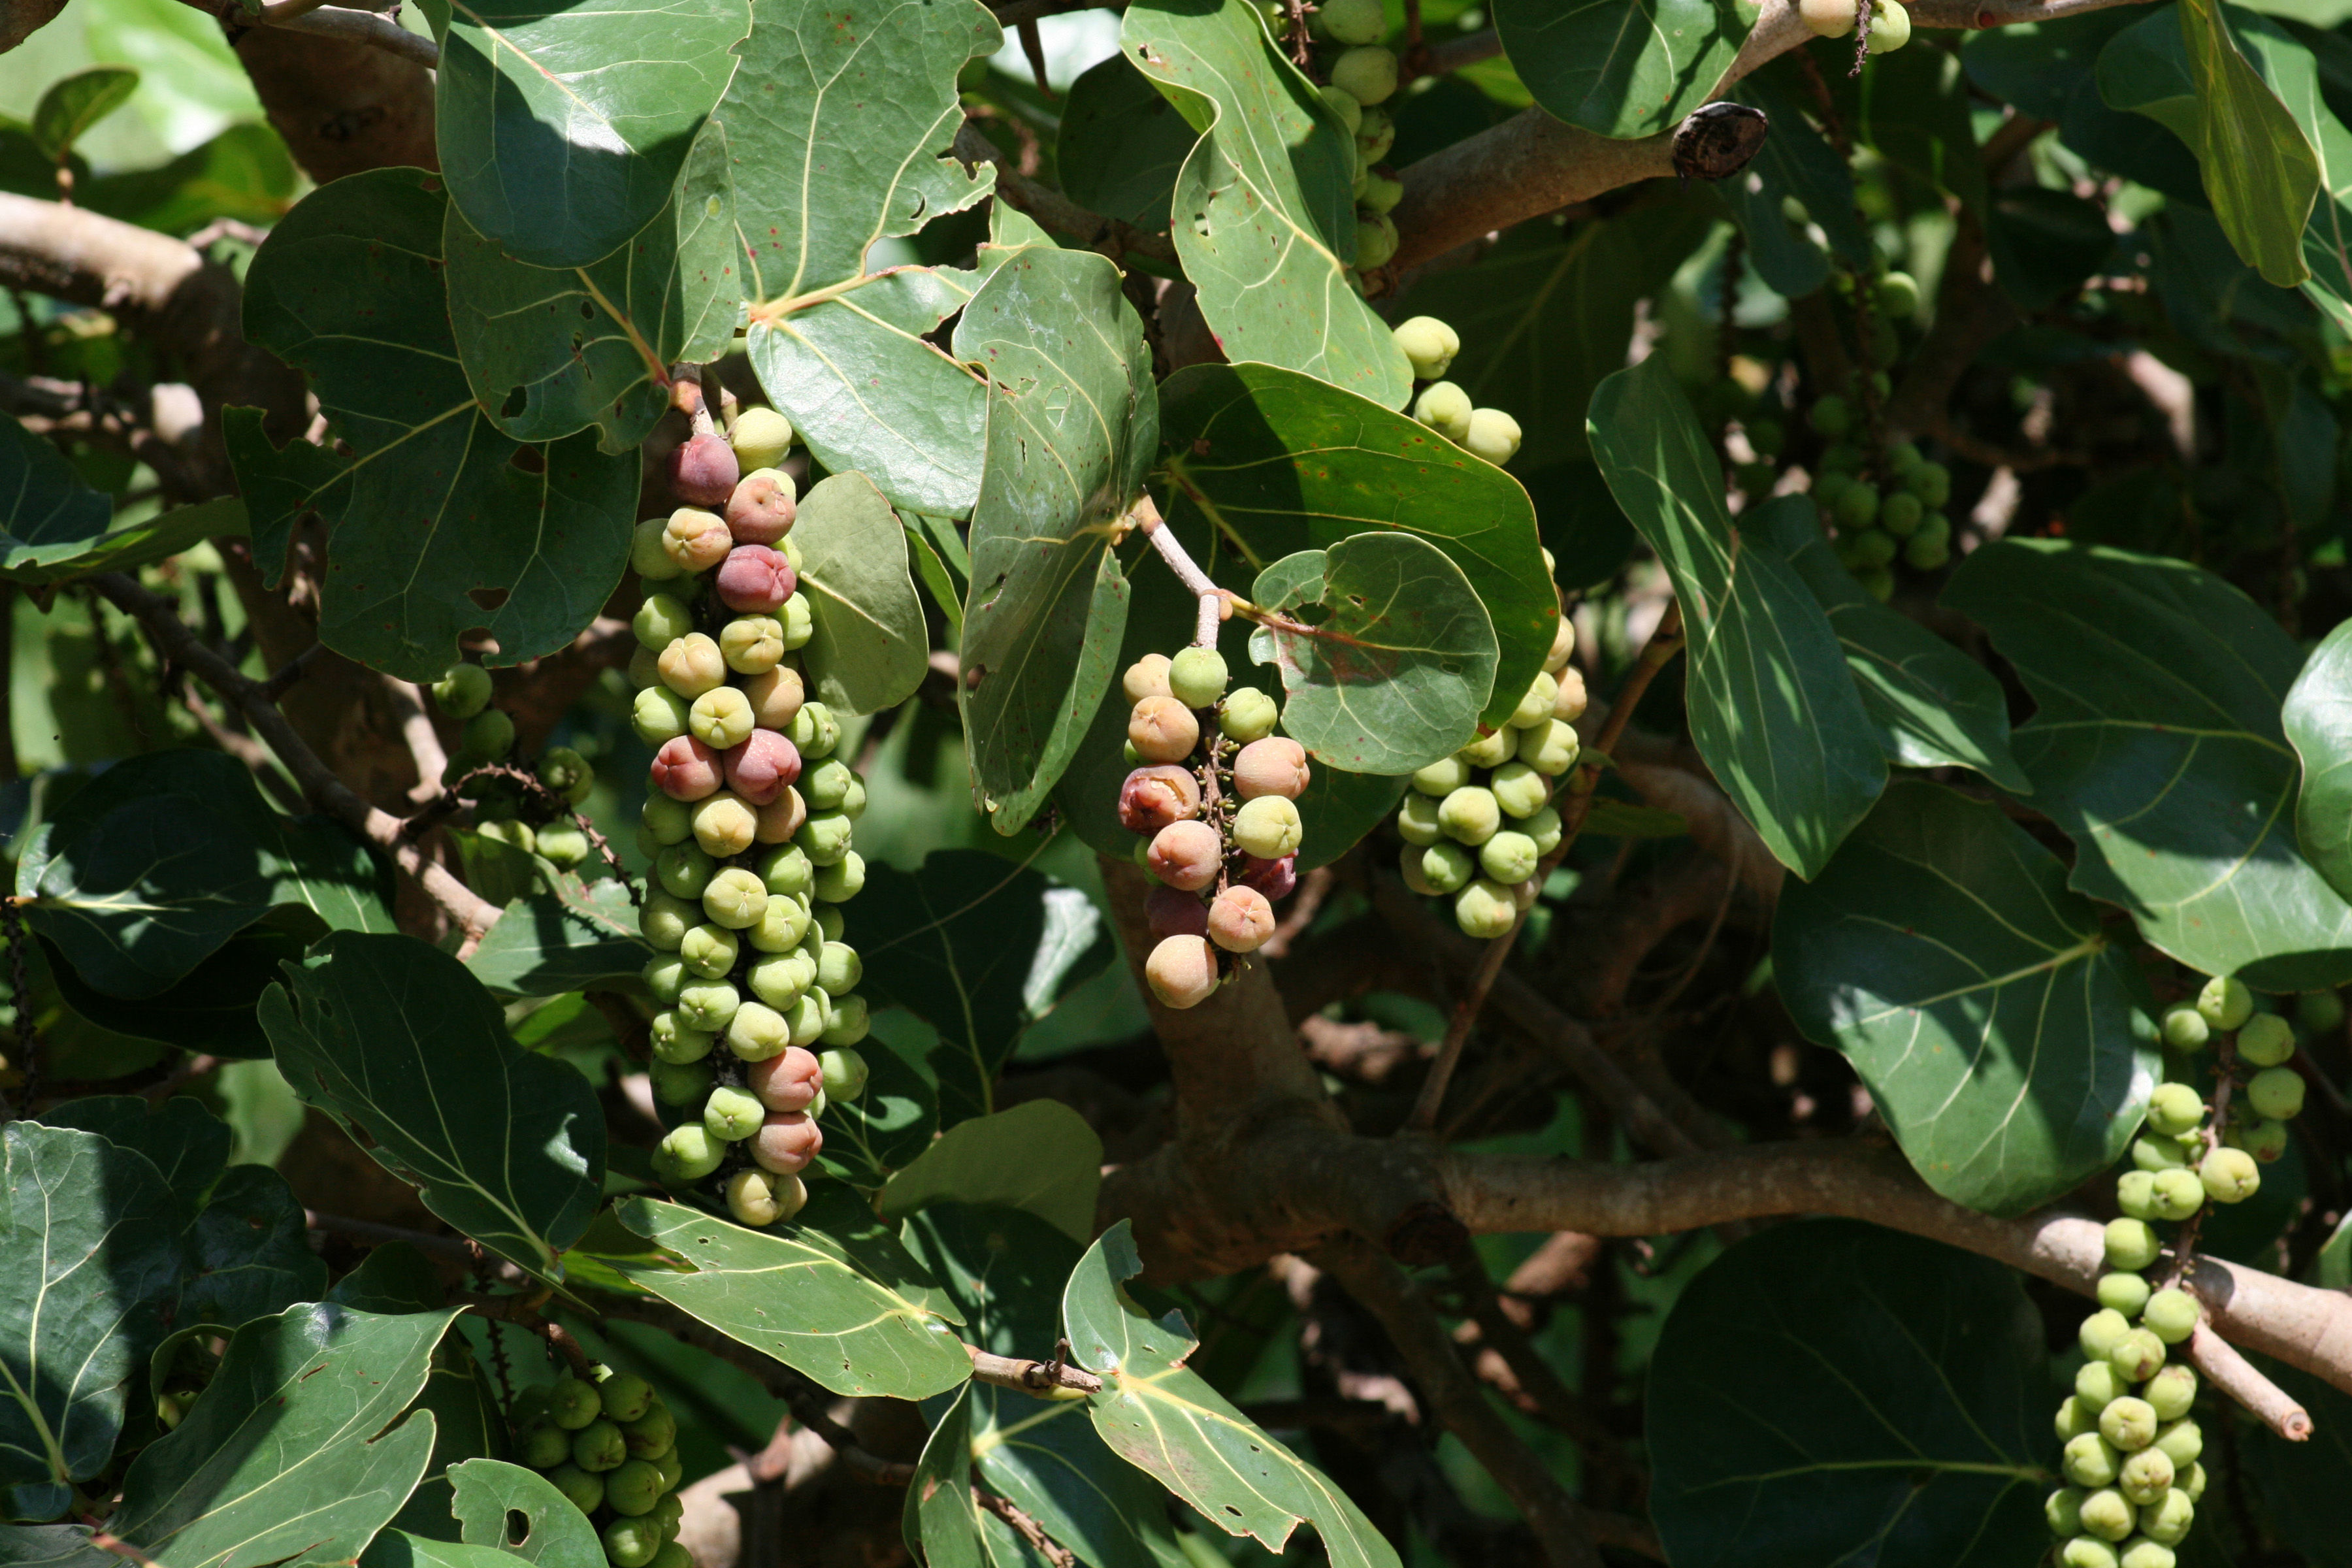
(373, 29)
(1056, 211)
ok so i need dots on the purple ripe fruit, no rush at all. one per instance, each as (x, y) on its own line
(1154, 797)
(762, 509)
(1275, 879)
(764, 766)
(703, 469)
(755, 579)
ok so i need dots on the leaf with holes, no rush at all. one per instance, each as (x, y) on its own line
(1073, 420)
(437, 522)
(2004, 1036)
(563, 129)
(562, 937)
(1385, 652)
(800, 1302)
(1890, 1406)
(870, 648)
(549, 351)
(1621, 68)
(1773, 707)
(2157, 745)
(394, 1040)
(157, 863)
(1159, 1415)
(486, 1494)
(1265, 215)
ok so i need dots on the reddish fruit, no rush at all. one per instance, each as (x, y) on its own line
(786, 1142)
(761, 510)
(786, 1082)
(1162, 730)
(685, 769)
(754, 579)
(1240, 919)
(1155, 796)
(1181, 972)
(1275, 879)
(1275, 766)
(1174, 912)
(782, 818)
(1186, 855)
(704, 470)
(764, 766)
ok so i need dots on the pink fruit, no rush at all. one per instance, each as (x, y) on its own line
(1173, 912)
(782, 818)
(1162, 730)
(1181, 972)
(761, 510)
(764, 766)
(786, 1142)
(685, 769)
(1240, 919)
(1186, 855)
(704, 469)
(1153, 797)
(1275, 879)
(1275, 766)
(786, 1082)
(754, 579)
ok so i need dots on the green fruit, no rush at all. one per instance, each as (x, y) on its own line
(2185, 1028)
(2166, 1521)
(2109, 1514)
(824, 838)
(2097, 1384)
(2172, 1392)
(1519, 790)
(2130, 1244)
(1417, 819)
(2145, 1476)
(2090, 1460)
(1269, 827)
(683, 871)
(1447, 866)
(633, 1487)
(2179, 1193)
(687, 1153)
(1535, 703)
(1445, 408)
(572, 1403)
(598, 1446)
(1249, 714)
(845, 1073)
(2266, 1141)
(845, 878)
(2084, 1550)
(2159, 1153)
(2126, 1292)
(731, 1114)
(631, 1543)
(2230, 1175)
(1897, 295)
(1196, 677)
(814, 730)
(826, 785)
(1493, 436)
(2175, 1108)
(585, 1491)
(848, 1021)
(675, 1041)
(1351, 112)
(2191, 1481)
(1430, 344)
(544, 1446)
(2319, 1011)
(1376, 239)
(2076, 1416)
(1470, 815)
(1926, 551)
(2225, 1003)
(561, 845)
(2266, 1041)
(488, 736)
(463, 691)
(1550, 748)
(1508, 857)
(2170, 1315)
(1442, 777)
(1831, 414)
(1484, 910)
(625, 1397)
(673, 1555)
(761, 437)
(1351, 21)
(2136, 1194)
(838, 968)
(1931, 482)
(1857, 509)
(2101, 1333)
(1374, 136)
(2063, 1509)
(1899, 515)
(1545, 829)
(1367, 73)
(2138, 1356)
(1890, 29)
(2276, 1093)
(1491, 750)
(2129, 1424)
(2146, 1554)
(2181, 1441)
(709, 951)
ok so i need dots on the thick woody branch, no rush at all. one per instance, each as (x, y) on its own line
(474, 914)
(368, 28)
(1056, 211)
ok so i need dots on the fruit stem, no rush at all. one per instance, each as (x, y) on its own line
(1212, 603)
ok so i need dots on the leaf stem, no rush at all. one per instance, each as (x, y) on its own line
(1212, 604)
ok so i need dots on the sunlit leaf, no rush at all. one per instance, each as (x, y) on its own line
(870, 648)
(1039, 1156)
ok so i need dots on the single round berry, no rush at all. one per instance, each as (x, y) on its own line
(1491, 750)
(582, 1491)
(599, 1447)
(572, 1403)
(845, 1073)
(2101, 1333)
(2182, 1441)
(761, 507)
(776, 1195)
(1196, 677)
(646, 556)
(2178, 1194)
(632, 1542)
(1890, 29)
(2090, 1460)
(1550, 748)
(1247, 714)
(2138, 1356)
(1484, 910)
(2185, 1028)
(1181, 970)
(1493, 435)
(1268, 827)
(776, 697)
(788, 1140)
(1445, 408)
(2175, 1108)
(1170, 911)
(709, 951)
(2145, 1476)
(2276, 1093)
(1162, 730)
(2165, 1520)
(2266, 1140)
(488, 736)
(1519, 790)
(2172, 1392)
(2129, 1424)
(1508, 857)
(2319, 1011)
(659, 714)
(678, 1083)
(2225, 1003)
(1186, 855)
(2098, 1385)
(2131, 1244)
(463, 691)
(544, 1446)
(2063, 1509)
(2136, 1194)
(1240, 919)
(2230, 1175)
(1147, 677)
(2109, 1514)
(687, 1153)
(1152, 797)
(703, 469)
(2266, 1040)
(1351, 21)
(1275, 765)
(1470, 815)
(761, 437)
(708, 1004)
(1429, 344)
(1828, 19)
(2170, 1315)
(2126, 1292)
(2084, 1550)
(1367, 73)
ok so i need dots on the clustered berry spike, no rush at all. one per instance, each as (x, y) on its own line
(610, 1446)
(1477, 824)
(1212, 798)
(506, 806)
(1430, 345)
(2131, 1445)
(749, 828)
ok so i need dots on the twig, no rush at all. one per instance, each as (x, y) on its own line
(446, 1249)
(284, 679)
(473, 913)
(522, 1313)
(416, 732)
(1028, 1528)
(2235, 1375)
(1663, 644)
(1042, 1378)
(1212, 603)
(1313, 888)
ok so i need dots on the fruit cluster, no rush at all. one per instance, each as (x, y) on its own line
(1890, 24)
(611, 1446)
(506, 807)
(1363, 77)
(1876, 523)
(1487, 433)
(2131, 1446)
(749, 826)
(1214, 791)
(1478, 824)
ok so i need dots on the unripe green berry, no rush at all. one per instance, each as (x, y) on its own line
(1493, 436)
(1545, 829)
(625, 1397)
(779, 979)
(1831, 414)
(2276, 1093)
(2191, 1481)
(631, 1543)
(709, 951)
(663, 921)
(463, 691)
(708, 1005)
(1196, 677)
(1470, 815)
(2084, 1550)
(487, 737)
(761, 437)
(1268, 827)
(1899, 514)
(599, 1447)
(2138, 1356)
(2179, 1193)
(2225, 1003)
(1535, 703)
(1417, 819)
(2136, 1194)
(675, 1041)
(2319, 1011)
(824, 839)
(2166, 1521)
(646, 554)
(2265, 1140)
(2109, 1514)
(688, 1155)
(1367, 73)
(1484, 910)
(1444, 867)
(2230, 1175)
(733, 1115)
(757, 1032)
(2101, 1333)
(2128, 1422)
(2175, 1108)
(561, 845)
(845, 1073)
(2185, 1028)
(2172, 1392)
(2090, 1460)
(665, 976)
(1442, 777)
(1491, 750)
(1508, 857)
(2125, 1291)
(848, 1021)
(1445, 408)
(2145, 1553)
(2130, 1244)
(582, 1491)
(2076, 1416)
(760, 1198)
(1890, 29)
(1550, 748)
(633, 1487)
(2098, 1385)
(814, 731)
(2063, 1509)
(1931, 482)
(2159, 1153)
(1247, 714)
(845, 878)
(572, 1403)
(2266, 1040)
(839, 969)
(662, 620)
(1428, 343)
(1519, 790)
(544, 1446)
(2170, 1315)
(2181, 1441)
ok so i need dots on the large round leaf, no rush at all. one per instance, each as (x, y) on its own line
(1621, 68)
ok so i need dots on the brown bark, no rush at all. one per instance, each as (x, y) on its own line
(342, 107)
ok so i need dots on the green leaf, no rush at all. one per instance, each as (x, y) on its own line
(561, 938)
(90, 1262)
(893, 1121)
(1005, 1267)
(2317, 720)
(834, 124)
(870, 648)
(2293, 74)
(976, 948)
(1040, 1156)
(56, 527)
(1931, 705)
(1796, 162)
(187, 1144)
(1277, 462)
(486, 1493)
(253, 1255)
(549, 350)
(468, 1425)
(208, 1011)
(244, 173)
(156, 864)
(549, 525)
(1265, 220)
(399, 1548)
(1773, 709)
(1120, 145)
(944, 1528)
(1386, 654)
(2157, 747)
(561, 131)
(1889, 1406)
(2004, 1037)
(1073, 419)
(840, 1221)
(1621, 68)
(1159, 1415)
(286, 1459)
(782, 1294)
(74, 103)
(394, 1040)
